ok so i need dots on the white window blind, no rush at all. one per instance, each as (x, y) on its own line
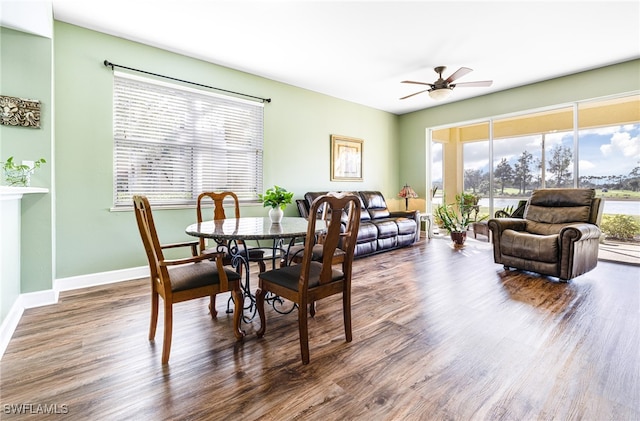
(172, 142)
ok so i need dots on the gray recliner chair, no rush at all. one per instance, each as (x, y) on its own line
(558, 236)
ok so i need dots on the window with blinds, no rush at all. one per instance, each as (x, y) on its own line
(172, 142)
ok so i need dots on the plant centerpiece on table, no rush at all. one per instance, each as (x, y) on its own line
(456, 218)
(19, 174)
(277, 198)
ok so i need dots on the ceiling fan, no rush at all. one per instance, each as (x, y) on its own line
(443, 88)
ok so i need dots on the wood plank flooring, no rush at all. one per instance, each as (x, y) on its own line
(439, 334)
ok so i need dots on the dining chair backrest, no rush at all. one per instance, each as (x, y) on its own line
(336, 235)
(148, 233)
(218, 200)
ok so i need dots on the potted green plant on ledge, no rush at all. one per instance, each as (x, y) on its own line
(278, 198)
(19, 175)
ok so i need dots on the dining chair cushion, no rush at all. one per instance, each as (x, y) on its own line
(289, 276)
(196, 275)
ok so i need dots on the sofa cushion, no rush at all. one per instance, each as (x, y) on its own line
(367, 232)
(364, 214)
(310, 197)
(405, 240)
(386, 228)
(542, 248)
(387, 243)
(369, 247)
(406, 226)
(374, 203)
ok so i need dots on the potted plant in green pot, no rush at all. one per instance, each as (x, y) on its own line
(19, 175)
(277, 198)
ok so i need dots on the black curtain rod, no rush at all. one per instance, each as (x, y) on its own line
(107, 63)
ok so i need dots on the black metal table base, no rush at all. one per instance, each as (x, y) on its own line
(240, 259)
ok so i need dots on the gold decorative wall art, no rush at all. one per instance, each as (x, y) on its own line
(346, 158)
(19, 112)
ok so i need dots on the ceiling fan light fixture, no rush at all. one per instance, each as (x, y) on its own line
(440, 94)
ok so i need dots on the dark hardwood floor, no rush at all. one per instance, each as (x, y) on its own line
(438, 334)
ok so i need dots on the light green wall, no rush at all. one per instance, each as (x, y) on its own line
(89, 238)
(610, 80)
(298, 124)
(26, 72)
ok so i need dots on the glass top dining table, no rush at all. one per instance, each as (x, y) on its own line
(234, 232)
(252, 228)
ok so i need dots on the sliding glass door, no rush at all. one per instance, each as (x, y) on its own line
(609, 150)
(530, 152)
(590, 144)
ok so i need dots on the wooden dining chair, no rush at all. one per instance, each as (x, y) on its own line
(295, 252)
(218, 199)
(255, 254)
(311, 280)
(177, 280)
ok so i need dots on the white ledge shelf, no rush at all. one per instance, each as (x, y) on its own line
(10, 192)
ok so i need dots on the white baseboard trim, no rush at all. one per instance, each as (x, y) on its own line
(102, 278)
(9, 324)
(48, 297)
(39, 298)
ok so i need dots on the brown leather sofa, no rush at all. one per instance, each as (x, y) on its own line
(380, 229)
(558, 235)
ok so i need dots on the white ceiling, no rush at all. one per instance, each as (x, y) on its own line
(360, 51)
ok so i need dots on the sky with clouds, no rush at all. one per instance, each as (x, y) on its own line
(607, 151)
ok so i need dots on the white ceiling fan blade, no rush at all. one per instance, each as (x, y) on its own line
(458, 74)
(479, 83)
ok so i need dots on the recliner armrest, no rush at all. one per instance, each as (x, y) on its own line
(579, 232)
(497, 225)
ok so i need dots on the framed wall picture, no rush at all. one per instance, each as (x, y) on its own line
(19, 112)
(346, 158)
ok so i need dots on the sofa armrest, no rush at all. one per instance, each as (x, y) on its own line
(413, 215)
